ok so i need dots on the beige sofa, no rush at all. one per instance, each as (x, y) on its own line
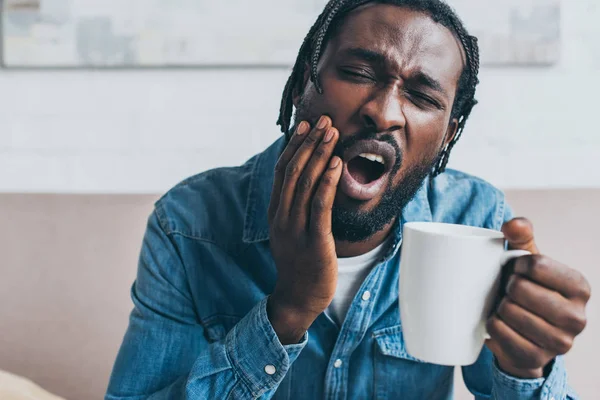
(68, 262)
(14, 387)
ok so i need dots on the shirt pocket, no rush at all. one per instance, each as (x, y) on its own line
(397, 374)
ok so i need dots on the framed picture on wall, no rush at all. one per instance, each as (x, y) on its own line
(236, 33)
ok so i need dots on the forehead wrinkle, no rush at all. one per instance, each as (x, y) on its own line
(413, 43)
(406, 44)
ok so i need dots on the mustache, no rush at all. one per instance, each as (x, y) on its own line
(369, 134)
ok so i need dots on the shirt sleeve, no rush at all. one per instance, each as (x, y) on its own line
(165, 353)
(553, 387)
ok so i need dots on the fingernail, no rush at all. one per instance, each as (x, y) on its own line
(322, 122)
(302, 128)
(329, 135)
(335, 162)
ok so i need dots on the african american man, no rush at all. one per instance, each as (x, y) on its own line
(278, 279)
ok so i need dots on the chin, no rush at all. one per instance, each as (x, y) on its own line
(358, 206)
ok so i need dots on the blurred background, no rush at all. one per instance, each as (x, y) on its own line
(105, 105)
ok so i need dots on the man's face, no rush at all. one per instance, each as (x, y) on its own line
(389, 76)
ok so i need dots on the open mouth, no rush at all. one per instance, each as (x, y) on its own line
(367, 165)
(366, 168)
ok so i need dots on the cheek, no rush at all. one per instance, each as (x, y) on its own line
(341, 100)
(424, 129)
(424, 132)
(422, 140)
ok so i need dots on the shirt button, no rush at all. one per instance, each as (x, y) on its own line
(270, 370)
(337, 363)
(366, 295)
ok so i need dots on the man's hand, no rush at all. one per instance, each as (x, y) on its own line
(306, 179)
(542, 311)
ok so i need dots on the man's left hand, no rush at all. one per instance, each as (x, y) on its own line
(542, 309)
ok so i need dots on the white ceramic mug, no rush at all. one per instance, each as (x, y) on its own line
(449, 277)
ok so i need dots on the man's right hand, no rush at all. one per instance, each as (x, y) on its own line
(302, 243)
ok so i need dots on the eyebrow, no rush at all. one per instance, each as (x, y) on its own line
(365, 54)
(375, 57)
(423, 79)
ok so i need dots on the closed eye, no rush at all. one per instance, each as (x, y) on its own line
(357, 74)
(423, 99)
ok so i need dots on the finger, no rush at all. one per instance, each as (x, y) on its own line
(507, 344)
(554, 275)
(296, 165)
(519, 234)
(534, 328)
(546, 304)
(309, 181)
(322, 203)
(292, 147)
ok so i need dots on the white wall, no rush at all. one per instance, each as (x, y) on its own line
(143, 131)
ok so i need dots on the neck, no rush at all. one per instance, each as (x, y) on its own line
(354, 249)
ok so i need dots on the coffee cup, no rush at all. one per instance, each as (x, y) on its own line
(449, 281)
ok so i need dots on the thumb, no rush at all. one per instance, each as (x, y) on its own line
(519, 234)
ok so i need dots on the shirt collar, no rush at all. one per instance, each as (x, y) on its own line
(256, 223)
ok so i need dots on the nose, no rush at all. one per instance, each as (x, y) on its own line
(383, 110)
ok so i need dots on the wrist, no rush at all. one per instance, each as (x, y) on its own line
(290, 324)
(302, 302)
(520, 373)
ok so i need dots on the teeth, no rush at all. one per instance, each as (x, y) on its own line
(372, 157)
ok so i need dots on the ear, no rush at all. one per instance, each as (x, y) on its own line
(296, 95)
(450, 132)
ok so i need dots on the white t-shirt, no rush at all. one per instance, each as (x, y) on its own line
(352, 272)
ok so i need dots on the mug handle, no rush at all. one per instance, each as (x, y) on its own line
(504, 259)
(510, 254)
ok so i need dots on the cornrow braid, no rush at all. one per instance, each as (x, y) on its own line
(336, 5)
(467, 98)
(332, 15)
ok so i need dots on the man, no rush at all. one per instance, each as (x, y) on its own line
(278, 279)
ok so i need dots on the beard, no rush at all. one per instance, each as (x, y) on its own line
(349, 223)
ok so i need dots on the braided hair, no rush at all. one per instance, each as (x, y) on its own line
(335, 10)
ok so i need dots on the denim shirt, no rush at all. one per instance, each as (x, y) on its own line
(199, 328)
